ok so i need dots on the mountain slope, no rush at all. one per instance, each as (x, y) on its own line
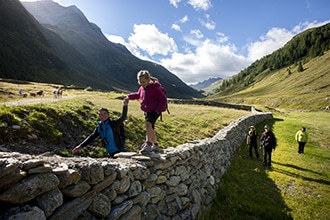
(303, 47)
(112, 64)
(295, 76)
(306, 90)
(24, 51)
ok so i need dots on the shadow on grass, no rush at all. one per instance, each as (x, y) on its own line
(246, 192)
(319, 156)
(296, 167)
(322, 181)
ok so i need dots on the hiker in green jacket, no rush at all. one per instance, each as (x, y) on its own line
(301, 138)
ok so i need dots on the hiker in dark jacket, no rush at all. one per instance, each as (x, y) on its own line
(108, 131)
(252, 141)
(268, 143)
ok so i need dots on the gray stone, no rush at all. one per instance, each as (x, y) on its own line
(106, 182)
(11, 179)
(74, 208)
(27, 213)
(110, 193)
(123, 185)
(119, 199)
(7, 166)
(92, 173)
(173, 181)
(77, 190)
(122, 171)
(50, 201)
(141, 173)
(135, 189)
(100, 206)
(30, 188)
(133, 213)
(44, 168)
(32, 163)
(119, 210)
(69, 177)
(150, 181)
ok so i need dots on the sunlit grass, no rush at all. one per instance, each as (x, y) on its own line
(77, 111)
(297, 187)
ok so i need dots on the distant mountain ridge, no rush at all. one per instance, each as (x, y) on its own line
(59, 45)
(205, 83)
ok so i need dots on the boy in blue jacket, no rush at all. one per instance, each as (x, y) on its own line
(108, 131)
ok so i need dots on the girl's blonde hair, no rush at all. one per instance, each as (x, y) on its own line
(143, 73)
(146, 75)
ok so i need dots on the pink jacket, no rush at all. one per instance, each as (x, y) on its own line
(151, 98)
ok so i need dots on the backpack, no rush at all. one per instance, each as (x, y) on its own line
(119, 135)
(252, 137)
(166, 107)
(268, 140)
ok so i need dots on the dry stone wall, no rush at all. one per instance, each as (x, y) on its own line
(179, 183)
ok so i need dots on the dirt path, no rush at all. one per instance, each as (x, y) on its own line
(34, 101)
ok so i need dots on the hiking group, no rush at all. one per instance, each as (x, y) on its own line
(153, 101)
(267, 144)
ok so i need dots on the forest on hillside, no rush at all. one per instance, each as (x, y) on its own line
(303, 47)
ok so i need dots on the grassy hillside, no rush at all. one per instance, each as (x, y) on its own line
(306, 90)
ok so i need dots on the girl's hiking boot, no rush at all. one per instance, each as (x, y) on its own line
(146, 147)
(155, 148)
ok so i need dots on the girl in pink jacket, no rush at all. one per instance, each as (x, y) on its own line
(153, 102)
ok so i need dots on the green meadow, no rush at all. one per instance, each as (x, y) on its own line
(296, 187)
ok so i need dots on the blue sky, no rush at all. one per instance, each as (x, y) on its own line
(199, 39)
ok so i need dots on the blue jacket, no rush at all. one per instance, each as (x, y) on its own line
(109, 136)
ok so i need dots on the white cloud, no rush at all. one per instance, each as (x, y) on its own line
(116, 39)
(200, 4)
(184, 19)
(175, 3)
(276, 38)
(197, 33)
(202, 59)
(273, 40)
(149, 39)
(307, 25)
(221, 37)
(208, 60)
(209, 24)
(196, 4)
(176, 27)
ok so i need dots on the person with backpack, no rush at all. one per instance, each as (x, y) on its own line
(153, 102)
(109, 130)
(268, 144)
(251, 141)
